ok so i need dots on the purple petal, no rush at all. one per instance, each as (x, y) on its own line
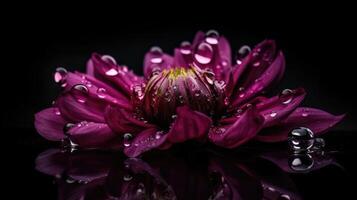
(122, 121)
(261, 82)
(278, 107)
(75, 111)
(225, 50)
(90, 68)
(238, 130)
(199, 37)
(106, 69)
(164, 61)
(189, 124)
(317, 120)
(144, 141)
(93, 135)
(49, 123)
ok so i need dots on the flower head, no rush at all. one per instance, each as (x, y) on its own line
(197, 94)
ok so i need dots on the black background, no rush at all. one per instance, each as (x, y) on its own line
(319, 42)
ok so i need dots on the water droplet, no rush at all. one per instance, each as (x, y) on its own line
(241, 95)
(197, 93)
(284, 197)
(185, 48)
(209, 76)
(67, 127)
(101, 92)
(286, 96)
(226, 101)
(301, 139)
(112, 72)
(301, 162)
(242, 53)
(80, 92)
(256, 64)
(140, 189)
(156, 53)
(57, 111)
(273, 114)
(158, 134)
(204, 53)
(127, 177)
(212, 37)
(224, 63)
(127, 139)
(319, 143)
(108, 59)
(60, 74)
(68, 145)
(304, 114)
(173, 116)
(70, 180)
(174, 87)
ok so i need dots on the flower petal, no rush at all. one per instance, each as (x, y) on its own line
(90, 68)
(277, 108)
(317, 120)
(106, 69)
(150, 65)
(189, 124)
(144, 141)
(51, 162)
(122, 121)
(240, 130)
(261, 82)
(93, 135)
(49, 123)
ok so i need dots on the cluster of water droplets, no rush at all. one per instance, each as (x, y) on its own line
(271, 191)
(304, 146)
(129, 140)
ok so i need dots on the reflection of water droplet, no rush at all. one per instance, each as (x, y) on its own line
(204, 53)
(68, 145)
(127, 177)
(301, 162)
(242, 53)
(156, 55)
(140, 189)
(301, 139)
(185, 48)
(60, 74)
(80, 92)
(127, 139)
(101, 92)
(284, 197)
(212, 37)
(67, 127)
(286, 96)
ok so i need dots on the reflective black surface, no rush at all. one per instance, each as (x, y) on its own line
(39, 170)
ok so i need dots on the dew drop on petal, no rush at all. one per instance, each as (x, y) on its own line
(156, 55)
(127, 177)
(185, 48)
(204, 53)
(273, 114)
(286, 96)
(212, 37)
(127, 137)
(209, 76)
(60, 74)
(112, 72)
(57, 111)
(284, 197)
(101, 92)
(109, 59)
(158, 134)
(242, 53)
(67, 127)
(301, 139)
(80, 92)
(304, 114)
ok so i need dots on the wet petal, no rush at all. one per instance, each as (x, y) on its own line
(278, 107)
(144, 141)
(156, 61)
(49, 124)
(317, 120)
(238, 130)
(93, 135)
(90, 68)
(122, 121)
(106, 69)
(189, 124)
(261, 82)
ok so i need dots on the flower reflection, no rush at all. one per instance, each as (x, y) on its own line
(176, 175)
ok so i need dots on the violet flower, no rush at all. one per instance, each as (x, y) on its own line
(197, 94)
